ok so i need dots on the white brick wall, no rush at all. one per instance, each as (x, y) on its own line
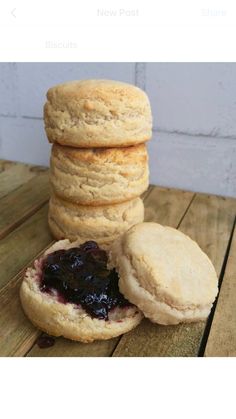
(194, 110)
(194, 98)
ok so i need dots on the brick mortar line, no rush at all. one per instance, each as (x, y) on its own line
(140, 75)
(155, 130)
(187, 134)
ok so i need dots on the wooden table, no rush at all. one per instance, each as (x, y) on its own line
(24, 233)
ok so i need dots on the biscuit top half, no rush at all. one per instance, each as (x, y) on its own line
(170, 265)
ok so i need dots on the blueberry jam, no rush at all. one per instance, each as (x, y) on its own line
(80, 276)
(45, 341)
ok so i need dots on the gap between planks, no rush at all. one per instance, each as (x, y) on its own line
(206, 333)
(222, 329)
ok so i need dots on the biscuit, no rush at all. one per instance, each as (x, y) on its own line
(97, 113)
(164, 273)
(99, 176)
(58, 319)
(102, 224)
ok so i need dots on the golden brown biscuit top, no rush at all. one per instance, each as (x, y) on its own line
(122, 155)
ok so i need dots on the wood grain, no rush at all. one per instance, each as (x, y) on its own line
(209, 221)
(167, 206)
(222, 337)
(14, 175)
(64, 347)
(17, 334)
(19, 247)
(20, 204)
(149, 339)
(5, 164)
(164, 201)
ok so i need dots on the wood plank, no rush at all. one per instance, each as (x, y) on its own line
(19, 247)
(23, 202)
(167, 206)
(150, 339)
(5, 164)
(16, 174)
(209, 221)
(17, 334)
(222, 337)
(165, 201)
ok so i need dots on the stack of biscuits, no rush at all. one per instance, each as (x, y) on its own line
(99, 160)
(99, 168)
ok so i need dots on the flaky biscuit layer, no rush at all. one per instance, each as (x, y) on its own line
(99, 176)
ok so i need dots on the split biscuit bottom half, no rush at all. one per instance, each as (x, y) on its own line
(71, 321)
(99, 176)
(97, 113)
(102, 224)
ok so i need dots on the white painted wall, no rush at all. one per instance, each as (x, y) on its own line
(194, 110)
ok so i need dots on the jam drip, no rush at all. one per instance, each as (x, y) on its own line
(45, 341)
(80, 276)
